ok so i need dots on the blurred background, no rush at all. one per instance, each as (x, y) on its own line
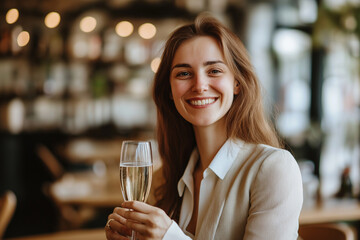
(76, 79)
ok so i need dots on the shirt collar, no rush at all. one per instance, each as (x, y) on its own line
(187, 178)
(225, 158)
(220, 165)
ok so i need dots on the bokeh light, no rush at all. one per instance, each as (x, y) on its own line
(23, 38)
(124, 28)
(12, 16)
(155, 64)
(350, 22)
(88, 24)
(147, 30)
(52, 20)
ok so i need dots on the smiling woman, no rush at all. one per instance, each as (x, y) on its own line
(202, 85)
(219, 151)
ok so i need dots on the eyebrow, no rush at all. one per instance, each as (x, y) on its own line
(185, 65)
(213, 62)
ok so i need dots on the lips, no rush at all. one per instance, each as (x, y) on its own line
(201, 102)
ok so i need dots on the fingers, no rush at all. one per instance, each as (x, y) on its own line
(138, 206)
(132, 216)
(119, 227)
(117, 215)
(146, 231)
(146, 220)
(112, 235)
(115, 229)
(134, 220)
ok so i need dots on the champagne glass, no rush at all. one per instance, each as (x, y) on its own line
(136, 166)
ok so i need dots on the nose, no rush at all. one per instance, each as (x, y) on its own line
(200, 83)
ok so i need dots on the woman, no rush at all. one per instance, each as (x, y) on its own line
(226, 176)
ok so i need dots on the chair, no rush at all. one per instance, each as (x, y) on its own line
(7, 209)
(50, 161)
(70, 217)
(328, 231)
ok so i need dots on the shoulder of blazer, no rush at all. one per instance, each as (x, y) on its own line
(250, 158)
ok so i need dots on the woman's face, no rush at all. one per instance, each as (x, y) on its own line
(202, 85)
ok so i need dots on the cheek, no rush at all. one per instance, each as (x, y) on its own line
(178, 89)
(225, 87)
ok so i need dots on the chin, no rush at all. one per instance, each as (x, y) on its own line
(205, 123)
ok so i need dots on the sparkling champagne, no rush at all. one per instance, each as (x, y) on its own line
(135, 180)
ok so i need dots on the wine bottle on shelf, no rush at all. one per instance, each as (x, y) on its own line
(346, 187)
(5, 42)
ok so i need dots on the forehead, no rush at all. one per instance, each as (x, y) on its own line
(199, 48)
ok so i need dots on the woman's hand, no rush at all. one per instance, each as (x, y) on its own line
(114, 228)
(149, 223)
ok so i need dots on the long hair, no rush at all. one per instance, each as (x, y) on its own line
(245, 120)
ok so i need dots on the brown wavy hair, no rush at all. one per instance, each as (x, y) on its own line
(245, 120)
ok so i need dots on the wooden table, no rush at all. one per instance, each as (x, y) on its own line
(331, 210)
(87, 189)
(86, 150)
(86, 234)
(91, 190)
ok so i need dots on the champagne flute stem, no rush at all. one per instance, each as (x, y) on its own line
(133, 235)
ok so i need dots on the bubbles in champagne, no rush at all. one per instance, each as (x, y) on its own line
(135, 181)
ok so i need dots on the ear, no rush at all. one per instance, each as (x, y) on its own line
(236, 87)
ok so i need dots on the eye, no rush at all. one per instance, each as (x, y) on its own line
(183, 74)
(215, 71)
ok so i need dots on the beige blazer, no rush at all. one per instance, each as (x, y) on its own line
(259, 198)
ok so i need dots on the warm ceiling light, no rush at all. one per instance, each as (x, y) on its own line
(23, 38)
(155, 64)
(147, 31)
(12, 16)
(88, 24)
(52, 20)
(350, 23)
(124, 29)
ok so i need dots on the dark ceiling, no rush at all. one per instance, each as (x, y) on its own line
(71, 8)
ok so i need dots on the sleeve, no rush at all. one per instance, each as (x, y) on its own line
(174, 232)
(276, 198)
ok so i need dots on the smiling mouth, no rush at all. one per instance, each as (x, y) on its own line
(201, 102)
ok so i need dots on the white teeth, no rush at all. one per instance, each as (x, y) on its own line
(202, 102)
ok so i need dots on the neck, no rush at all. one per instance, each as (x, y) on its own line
(209, 140)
